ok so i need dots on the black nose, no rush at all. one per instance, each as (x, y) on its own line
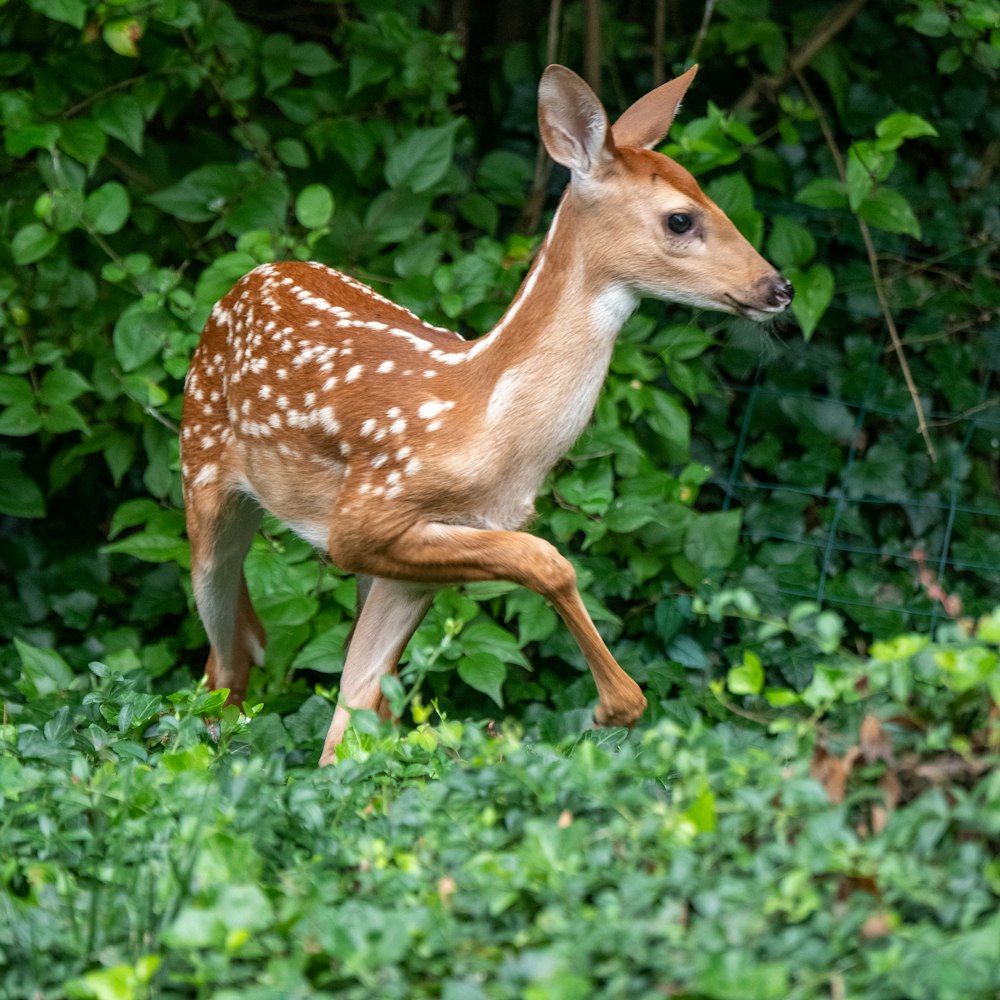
(782, 293)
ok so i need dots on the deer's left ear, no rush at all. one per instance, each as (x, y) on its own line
(646, 123)
(572, 122)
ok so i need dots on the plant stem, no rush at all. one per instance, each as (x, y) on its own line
(873, 264)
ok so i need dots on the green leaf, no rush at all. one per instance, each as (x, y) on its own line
(62, 385)
(325, 653)
(120, 115)
(394, 215)
(60, 418)
(202, 194)
(790, 244)
(107, 208)
(860, 182)
(748, 677)
(895, 128)
(712, 539)
(151, 547)
(73, 12)
(115, 983)
(43, 671)
(823, 192)
(671, 421)
(734, 195)
(287, 610)
(20, 420)
(887, 209)
(485, 672)
(969, 667)
(18, 141)
(83, 140)
(813, 294)
(220, 276)
(311, 58)
(931, 21)
(314, 206)
(292, 152)
(140, 333)
(420, 160)
(702, 811)
(20, 495)
(122, 36)
(31, 243)
(351, 139)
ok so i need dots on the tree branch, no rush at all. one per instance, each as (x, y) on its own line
(824, 32)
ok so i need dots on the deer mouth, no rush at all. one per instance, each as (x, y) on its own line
(748, 311)
(778, 295)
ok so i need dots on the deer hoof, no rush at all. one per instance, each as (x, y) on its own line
(620, 714)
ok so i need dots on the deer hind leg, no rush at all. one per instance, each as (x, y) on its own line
(389, 614)
(441, 553)
(364, 585)
(221, 528)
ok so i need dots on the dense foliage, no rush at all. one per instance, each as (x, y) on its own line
(793, 821)
(830, 854)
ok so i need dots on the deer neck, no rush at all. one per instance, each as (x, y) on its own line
(544, 363)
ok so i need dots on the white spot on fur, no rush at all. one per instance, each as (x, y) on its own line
(207, 474)
(503, 395)
(327, 420)
(434, 407)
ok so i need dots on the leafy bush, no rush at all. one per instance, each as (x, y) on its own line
(848, 849)
(792, 820)
(155, 154)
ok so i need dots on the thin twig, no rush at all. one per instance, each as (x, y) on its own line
(242, 120)
(659, 36)
(873, 264)
(532, 211)
(824, 32)
(706, 20)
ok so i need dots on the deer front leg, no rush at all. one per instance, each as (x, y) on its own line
(441, 553)
(390, 612)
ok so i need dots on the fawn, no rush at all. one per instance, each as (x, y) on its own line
(413, 457)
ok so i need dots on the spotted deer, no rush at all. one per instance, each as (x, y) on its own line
(413, 457)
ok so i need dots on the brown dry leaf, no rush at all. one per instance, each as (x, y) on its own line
(878, 819)
(832, 771)
(446, 886)
(565, 818)
(876, 926)
(948, 768)
(875, 743)
(856, 883)
(892, 790)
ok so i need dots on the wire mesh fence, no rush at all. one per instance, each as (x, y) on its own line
(838, 512)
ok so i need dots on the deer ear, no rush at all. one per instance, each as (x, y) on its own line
(646, 123)
(572, 122)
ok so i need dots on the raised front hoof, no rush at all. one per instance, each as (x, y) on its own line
(626, 713)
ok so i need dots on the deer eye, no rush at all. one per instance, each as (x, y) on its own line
(679, 222)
